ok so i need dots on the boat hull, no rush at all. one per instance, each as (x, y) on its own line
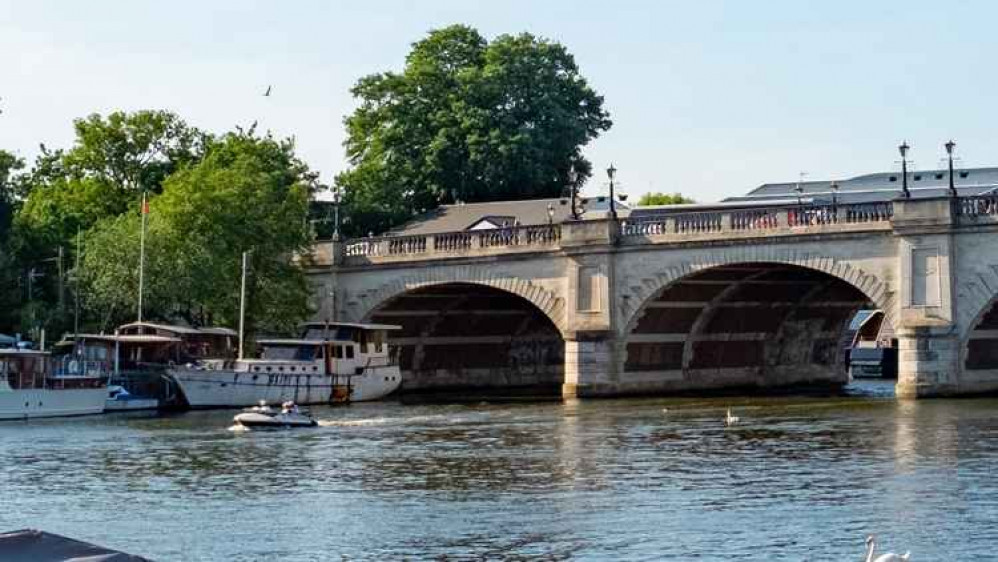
(256, 420)
(231, 389)
(48, 403)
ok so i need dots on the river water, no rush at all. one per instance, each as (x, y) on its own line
(799, 478)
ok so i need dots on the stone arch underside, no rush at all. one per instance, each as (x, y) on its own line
(744, 324)
(359, 306)
(465, 336)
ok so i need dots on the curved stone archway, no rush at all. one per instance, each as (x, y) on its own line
(759, 324)
(463, 336)
(546, 301)
(875, 288)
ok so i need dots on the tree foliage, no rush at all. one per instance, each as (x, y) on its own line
(247, 194)
(10, 186)
(113, 160)
(467, 120)
(649, 199)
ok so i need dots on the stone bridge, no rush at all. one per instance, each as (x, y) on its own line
(682, 302)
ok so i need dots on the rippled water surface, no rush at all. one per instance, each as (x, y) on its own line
(800, 478)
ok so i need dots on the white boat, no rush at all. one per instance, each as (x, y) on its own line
(33, 385)
(263, 416)
(331, 363)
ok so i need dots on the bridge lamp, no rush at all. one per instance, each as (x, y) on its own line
(336, 211)
(573, 177)
(550, 213)
(903, 149)
(611, 172)
(835, 193)
(950, 145)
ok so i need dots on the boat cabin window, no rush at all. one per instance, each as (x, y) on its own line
(289, 352)
(338, 351)
(349, 351)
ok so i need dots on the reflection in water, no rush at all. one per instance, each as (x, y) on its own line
(798, 478)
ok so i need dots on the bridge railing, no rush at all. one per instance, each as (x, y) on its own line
(453, 242)
(743, 220)
(978, 206)
(658, 228)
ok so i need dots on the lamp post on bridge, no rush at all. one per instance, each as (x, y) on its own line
(903, 149)
(573, 177)
(835, 193)
(336, 213)
(611, 172)
(950, 145)
(550, 214)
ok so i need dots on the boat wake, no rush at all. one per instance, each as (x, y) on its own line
(383, 421)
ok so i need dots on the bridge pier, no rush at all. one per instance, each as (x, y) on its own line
(927, 362)
(589, 365)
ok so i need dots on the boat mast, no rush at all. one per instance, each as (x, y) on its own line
(242, 306)
(142, 251)
(76, 283)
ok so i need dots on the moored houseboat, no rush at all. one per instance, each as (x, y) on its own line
(330, 363)
(34, 384)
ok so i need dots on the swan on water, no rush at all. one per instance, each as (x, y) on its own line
(729, 419)
(888, 557)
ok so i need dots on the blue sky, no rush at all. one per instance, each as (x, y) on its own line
(709, 98)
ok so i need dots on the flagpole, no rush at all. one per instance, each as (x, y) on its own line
(242, 306)
(142, 251)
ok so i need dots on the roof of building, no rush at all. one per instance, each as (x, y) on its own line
(882, 186)
(528, 212)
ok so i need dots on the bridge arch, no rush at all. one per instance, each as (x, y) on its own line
(473, 336)
(724, 323)
(545, 300)
(876, 289)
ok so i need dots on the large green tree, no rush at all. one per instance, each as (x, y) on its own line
(113, 160)
(467, 120)
(248, 193)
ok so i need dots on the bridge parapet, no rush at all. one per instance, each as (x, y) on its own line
(665, 228)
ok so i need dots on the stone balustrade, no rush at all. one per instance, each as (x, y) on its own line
(663, 228)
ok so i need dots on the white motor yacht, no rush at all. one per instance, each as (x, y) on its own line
(331, 363)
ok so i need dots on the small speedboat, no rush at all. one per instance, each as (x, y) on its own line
(263, 416)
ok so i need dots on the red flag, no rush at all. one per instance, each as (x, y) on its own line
(145, 207)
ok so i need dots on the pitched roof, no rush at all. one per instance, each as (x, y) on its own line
(452, 218)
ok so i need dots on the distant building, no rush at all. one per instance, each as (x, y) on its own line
(883, 186)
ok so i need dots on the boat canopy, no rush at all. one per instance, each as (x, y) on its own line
(142, 327)
(72, 339)
(358, 326)
(293, 342)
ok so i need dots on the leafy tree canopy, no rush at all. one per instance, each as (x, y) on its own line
(249, 193)
(113, 160)
(467, 120)
(649, 199)
(10, 182)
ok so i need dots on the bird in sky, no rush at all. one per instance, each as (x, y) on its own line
(267, 93)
